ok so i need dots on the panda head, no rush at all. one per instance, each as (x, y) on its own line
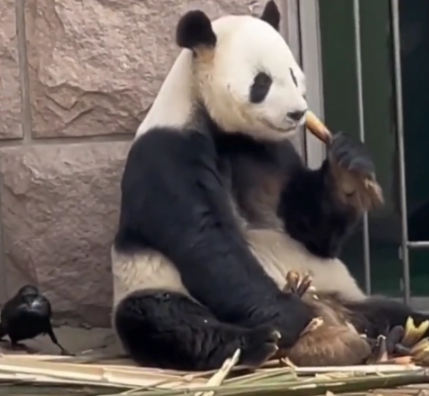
(244, 73)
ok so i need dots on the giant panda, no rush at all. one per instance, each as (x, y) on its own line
(217, 209)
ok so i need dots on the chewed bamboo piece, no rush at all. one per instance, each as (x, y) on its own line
(317, 127)
(220, 375)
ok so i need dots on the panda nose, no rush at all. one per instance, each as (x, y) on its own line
(296, 115)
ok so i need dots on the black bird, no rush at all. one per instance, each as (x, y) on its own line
(27, 315)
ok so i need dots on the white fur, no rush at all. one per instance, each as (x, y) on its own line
(278, 253)
(132, 272)
(245, 46)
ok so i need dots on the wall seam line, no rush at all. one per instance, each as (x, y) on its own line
(23, 71)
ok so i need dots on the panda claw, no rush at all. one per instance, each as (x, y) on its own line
(304, 285)
(297, 284)
(292, 281)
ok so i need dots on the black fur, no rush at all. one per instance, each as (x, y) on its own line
(195, 29)
(271, 14)
(26, 316)
(167, 329)
(174, 201)
(351, 154)
(260, 87)
(377, 315)
(314, 216)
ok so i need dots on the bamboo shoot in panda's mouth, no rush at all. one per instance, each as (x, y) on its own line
(317, 127)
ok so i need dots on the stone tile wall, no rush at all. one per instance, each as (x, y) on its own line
(76, 79)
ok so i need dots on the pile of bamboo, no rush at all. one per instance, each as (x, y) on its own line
(61, 375)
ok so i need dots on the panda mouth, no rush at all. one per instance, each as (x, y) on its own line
(281, 130)
(287, 129)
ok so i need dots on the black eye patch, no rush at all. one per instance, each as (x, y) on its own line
(292, 74)
(260, 87)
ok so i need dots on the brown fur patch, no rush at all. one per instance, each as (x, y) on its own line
(360, 191)
(329, 346)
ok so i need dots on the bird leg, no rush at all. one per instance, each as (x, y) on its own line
(53, 337)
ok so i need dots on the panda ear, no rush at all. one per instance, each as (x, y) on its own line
(195, 30)
(271, 14)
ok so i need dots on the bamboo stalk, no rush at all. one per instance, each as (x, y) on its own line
(17, 373)
(137, 377)
(306, 388)
(219, 376)
(363, 384)
(370, 368)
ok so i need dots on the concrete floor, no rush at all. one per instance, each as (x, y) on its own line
(77, 340)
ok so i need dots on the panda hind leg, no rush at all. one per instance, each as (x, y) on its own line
(168, 330)
(380, 317)
(401, 345)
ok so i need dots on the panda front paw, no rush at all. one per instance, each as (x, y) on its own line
(351, 154)
(259, 345)
(353, 173)
(298, 284)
